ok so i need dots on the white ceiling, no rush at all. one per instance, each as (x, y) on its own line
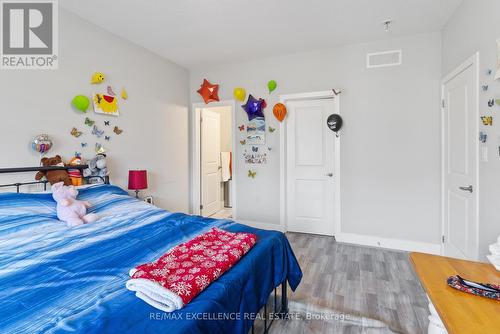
(195, 33)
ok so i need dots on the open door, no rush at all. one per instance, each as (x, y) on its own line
(210, 163)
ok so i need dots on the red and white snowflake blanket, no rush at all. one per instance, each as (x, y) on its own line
(179, 275)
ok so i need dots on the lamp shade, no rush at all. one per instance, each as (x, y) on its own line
(137, 179)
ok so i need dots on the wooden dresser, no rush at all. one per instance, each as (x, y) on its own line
(454, 311)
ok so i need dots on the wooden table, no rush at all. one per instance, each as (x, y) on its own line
(460, 312)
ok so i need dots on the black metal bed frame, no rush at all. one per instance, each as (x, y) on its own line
(42, 169)
(281, 313)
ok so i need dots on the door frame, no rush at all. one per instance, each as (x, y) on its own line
(196, 153)
(321, 95)
(474, 62)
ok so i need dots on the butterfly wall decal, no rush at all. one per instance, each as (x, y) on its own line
(243, 142)
(96, 132)
(241, 127)
(483, 137)
(484, 88)
(491, 103)
(252, 173)
(117, 130)
(487, 120)
(78, 154)
(83, 144)
(489, 71)
(106, 123)
(89, 122)
(255, 149)
(107, 138)
(271, 129)
(99, 149)
(270, 148)
(75, 133)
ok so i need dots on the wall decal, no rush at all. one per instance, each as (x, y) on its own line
(241, 127)
(279, 111)
(271, 129)
(110, 91)
(89, 122)
(484, 88)
(106, 104)
(487, 120)
(99, 149)
(491, 103)
(483, 137)
(252, 173)
(124, 94)
(83, 145)
(106, 123)
(97, 78)
(96, 132)
(255, 158)
(254, 108)
(117, 130)
(107, 138)
(256, 131)
(81, 103)
(240, 94)
(76, 133)
(255, 149)
(489, 71)
(209, 92)
(243, 142)
(271, 86)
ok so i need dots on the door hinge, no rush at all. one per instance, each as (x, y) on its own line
(442, 103)
(442, 238)
(201, 207)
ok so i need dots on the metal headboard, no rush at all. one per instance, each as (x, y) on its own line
(43, 169)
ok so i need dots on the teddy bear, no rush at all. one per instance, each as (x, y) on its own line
(53, 176)
(69, 209)
(97, 170)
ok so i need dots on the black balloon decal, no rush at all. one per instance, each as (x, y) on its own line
(334, 122)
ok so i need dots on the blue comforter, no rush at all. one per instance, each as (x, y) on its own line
(57, 279)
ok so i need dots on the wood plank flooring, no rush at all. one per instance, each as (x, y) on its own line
(353, 289)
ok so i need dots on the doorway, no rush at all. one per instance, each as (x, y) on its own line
(213, 163)
(460, 160)
(311, 160)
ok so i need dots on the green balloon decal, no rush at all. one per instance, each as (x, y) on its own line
(81, 102)
(271, 85)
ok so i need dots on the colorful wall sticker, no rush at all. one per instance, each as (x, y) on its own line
(256, 131)
(96, 132)
(209, 92)
(76, 133)
(117, 130)
(89, 122)
(241, 127)
(487, 120)
(106, 104)
(124, 94)
(483, 137)
(252, 174)
(97, 78)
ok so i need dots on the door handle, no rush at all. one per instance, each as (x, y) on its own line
(469, 188)
(329, 174)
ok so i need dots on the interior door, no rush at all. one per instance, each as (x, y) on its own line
(460, 165)
(310, 168)
(210, 163)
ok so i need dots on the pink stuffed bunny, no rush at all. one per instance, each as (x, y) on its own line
(69, 209)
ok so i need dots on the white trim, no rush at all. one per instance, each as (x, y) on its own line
(368, 55)
(471, 61)
(260, 225)
(338, 208)
(404, 245)
(195, 158)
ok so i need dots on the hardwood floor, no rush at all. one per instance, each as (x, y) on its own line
(353, 289)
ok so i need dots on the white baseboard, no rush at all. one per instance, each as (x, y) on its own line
(404, 245)
(262, 226)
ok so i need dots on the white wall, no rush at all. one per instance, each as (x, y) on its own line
(475, 26)
(154, 118)
(390, 145)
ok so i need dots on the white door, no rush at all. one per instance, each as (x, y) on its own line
(460, 164)
(210, 163)
(310, 193)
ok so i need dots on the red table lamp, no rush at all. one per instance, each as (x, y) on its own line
(137, 180)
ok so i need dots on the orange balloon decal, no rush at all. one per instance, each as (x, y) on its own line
(209, 92)
(279, 111)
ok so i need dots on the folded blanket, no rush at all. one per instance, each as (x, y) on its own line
(179, 275)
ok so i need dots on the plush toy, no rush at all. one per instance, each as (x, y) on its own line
(97, 171)
(69, 209)
(75, 175)
(54, 176)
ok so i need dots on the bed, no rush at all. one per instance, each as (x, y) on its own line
(57, 279)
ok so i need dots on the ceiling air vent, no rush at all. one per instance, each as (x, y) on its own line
(384, 59)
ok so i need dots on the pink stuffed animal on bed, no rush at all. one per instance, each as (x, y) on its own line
(69, 209)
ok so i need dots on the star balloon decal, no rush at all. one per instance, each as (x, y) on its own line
(254, 108)
(209, 92)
